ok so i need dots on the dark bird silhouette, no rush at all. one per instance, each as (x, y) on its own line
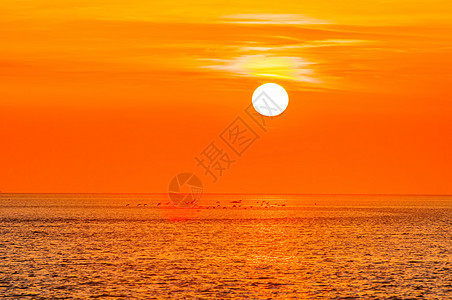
(236, 201)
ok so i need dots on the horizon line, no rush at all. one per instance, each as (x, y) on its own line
(268, 194)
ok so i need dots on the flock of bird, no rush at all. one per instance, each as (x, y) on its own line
(237, 204)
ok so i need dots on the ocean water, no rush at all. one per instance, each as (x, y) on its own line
(289, 247)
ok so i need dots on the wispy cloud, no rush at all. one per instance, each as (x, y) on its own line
(308, 44)
(279, 60)
(279, 67)
(274, 19)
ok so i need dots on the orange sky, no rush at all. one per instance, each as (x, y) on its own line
(111, 96)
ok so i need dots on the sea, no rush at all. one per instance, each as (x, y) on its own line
(230, 246)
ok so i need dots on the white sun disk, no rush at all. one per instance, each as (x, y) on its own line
(270, 99)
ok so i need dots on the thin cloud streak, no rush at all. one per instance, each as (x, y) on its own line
(280, 67)
(274, 19)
